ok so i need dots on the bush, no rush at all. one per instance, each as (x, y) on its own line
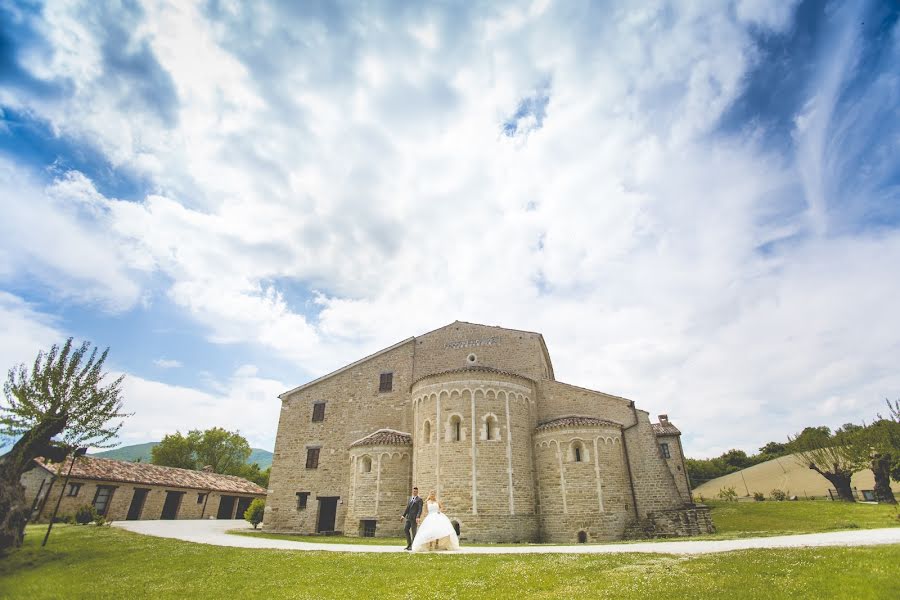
(85, 514)
(779, 495)
(100, 520)
(728, 494)
(759, 496)
(254, 513)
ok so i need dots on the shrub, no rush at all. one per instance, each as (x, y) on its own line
(99, 520)
(85, 514)
(778, 495)
(759, 496)
(728, 494)
(254, 513)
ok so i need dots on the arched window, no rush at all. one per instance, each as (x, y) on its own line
(491, 429)
(426, 432)
(455, 429)
(582, 537)
(365, 465)
(578, 453)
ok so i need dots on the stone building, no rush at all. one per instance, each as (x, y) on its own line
(121, 490)
(475, 413)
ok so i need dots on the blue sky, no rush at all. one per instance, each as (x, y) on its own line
(698, 204)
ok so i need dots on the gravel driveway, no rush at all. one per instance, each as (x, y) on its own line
(213, 532)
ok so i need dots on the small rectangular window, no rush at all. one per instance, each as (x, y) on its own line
(201, 498)
(367, 528)
(102, 498)
(312, 458)
(386, 384)
(664, 448)
(301, 500)
(318, 412)
(73, 490)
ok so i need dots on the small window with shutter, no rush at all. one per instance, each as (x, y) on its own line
(312, 458)
(318, 412)
(386, 383)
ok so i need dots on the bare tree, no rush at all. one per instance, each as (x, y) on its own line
(60, 404)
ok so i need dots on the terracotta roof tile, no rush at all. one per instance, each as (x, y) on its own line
(665, 429)
(575, 421)
(104, 469)
(384, 437)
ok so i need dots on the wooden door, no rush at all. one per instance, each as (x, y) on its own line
(226, 507)
(171, 505)
(327, 513)
(137, 504)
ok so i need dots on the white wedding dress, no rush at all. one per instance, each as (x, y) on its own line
(436, 527)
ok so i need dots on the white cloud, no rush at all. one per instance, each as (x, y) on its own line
(25, 332)
(244, 403)
(167, 363)
(367, 165)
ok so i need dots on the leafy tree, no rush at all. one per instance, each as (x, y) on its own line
(810, 437)
(774, 450)
(225, 451)
(836, 458)
(61, 403)
(256, 510)
(252, 472)
(175, 450)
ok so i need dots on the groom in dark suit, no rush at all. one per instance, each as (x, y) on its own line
(411, 516)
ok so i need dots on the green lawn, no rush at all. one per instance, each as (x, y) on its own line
(747, 519)
(91, 562)
(732, 519)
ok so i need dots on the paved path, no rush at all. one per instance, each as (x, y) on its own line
(213, 532)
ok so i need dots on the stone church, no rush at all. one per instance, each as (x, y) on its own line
(475, 413)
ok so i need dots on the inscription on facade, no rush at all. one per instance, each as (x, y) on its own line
(491, 341)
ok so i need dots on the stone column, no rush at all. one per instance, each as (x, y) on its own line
(509, 467)
(473, 435)
(597, 471)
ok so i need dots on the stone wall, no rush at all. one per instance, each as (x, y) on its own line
(654, 484)
(379, 487)
(591, 495)
(676, 465)
(688, 521)
(189, 508)
(475, 477)
(505, 349)
(354, 408)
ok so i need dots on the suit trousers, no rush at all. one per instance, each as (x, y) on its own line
(410, 529)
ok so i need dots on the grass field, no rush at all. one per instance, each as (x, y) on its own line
(91, 562)
(732, 520)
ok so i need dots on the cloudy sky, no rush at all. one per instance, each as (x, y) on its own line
(697, 203)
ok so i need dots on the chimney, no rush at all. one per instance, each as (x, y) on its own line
(663, 419)
(207, 469)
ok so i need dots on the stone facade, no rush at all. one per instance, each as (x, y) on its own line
(474, 413)
(194, 495)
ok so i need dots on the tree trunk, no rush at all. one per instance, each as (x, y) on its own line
(14, 509)
(881, 468)
(840, 480)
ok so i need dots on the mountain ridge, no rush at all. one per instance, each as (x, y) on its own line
(142, 452)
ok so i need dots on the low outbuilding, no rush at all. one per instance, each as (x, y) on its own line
(121, 490)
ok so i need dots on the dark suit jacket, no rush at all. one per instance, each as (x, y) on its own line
(413, 509)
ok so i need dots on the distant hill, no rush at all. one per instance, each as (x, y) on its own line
(785, 474)
(142, 452)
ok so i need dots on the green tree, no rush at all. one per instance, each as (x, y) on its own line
(225, 451)
(773, 450)
(175, 450)
(834, 457)
(63, 402)
(256, 510)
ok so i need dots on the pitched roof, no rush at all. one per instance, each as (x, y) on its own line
(665, 429)
(105, 469)
(575, 421)
(473, 368)
(384, 437)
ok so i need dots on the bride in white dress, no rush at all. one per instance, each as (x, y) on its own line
(436, 532)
